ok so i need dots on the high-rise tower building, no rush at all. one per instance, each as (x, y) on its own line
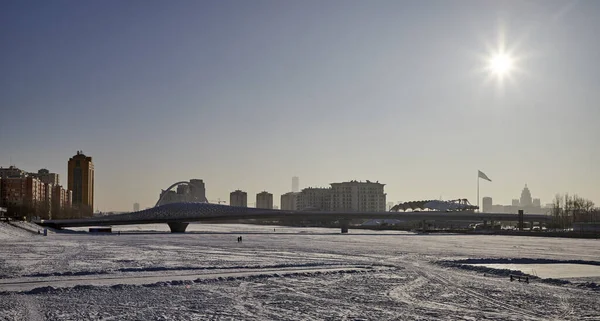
(289, 201)
(295, 184)
(136, 207)
(487, 205)
(238, 198)
(46, 177)
(264, 200)
(81, 181)
(526, 199)
(198, 190)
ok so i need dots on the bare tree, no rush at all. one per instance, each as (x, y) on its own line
(567, 209)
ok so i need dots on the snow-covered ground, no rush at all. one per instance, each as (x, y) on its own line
(278, 273)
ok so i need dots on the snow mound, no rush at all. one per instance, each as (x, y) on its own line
(7, 231)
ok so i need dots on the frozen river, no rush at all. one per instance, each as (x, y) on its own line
(553, 270)
(279, 273)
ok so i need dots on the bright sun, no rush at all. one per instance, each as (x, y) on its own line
(500, 64)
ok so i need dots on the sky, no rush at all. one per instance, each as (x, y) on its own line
(247, 94)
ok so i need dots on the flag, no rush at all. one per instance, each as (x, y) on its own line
(482, 175)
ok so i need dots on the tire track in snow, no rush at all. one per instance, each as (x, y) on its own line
(444, 280)
(33, 309)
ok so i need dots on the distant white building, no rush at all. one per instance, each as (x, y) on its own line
(289, 201)
(295, 184)
(136, 207)
(486, 204)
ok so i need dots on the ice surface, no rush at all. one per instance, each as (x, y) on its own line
(552, 270)
(278, 273)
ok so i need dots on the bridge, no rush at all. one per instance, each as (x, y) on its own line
(179, 209)
(178, 215)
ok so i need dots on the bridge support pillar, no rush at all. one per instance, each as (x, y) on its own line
(520, 220)
(344, 225)
(177, 227)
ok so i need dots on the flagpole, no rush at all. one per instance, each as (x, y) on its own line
(478, 209)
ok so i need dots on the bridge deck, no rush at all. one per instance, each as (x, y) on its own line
(195, 212)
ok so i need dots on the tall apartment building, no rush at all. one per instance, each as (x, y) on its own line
(238, 198)
(81, 181)
(136, 207)
(12, 191)
(295, 184)
(26, 193)
(198, 190)
(289, 201)
(358, 196)
(264, 200)
(12, 172)
(169, 196)
(61, 200)
(183, 191)
(315, 199)
(35, 194)
(46, 206)
(486, 204)
(46, 177)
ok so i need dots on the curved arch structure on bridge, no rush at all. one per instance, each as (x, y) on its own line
(178, 215)
(164, 193)
(436, 205)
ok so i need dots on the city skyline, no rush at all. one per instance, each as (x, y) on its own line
(512, 198)
(246, 96)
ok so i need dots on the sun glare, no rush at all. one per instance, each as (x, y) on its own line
(500, 64)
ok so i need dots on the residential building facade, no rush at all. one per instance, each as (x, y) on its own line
(264, 199)
(28, 194)
(12, 172)
(315, 199)
(289, 201)
(358, 196)
(46, 177)
(61, 200)
(238, 198)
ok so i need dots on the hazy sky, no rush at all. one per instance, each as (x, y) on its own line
(247, 94)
